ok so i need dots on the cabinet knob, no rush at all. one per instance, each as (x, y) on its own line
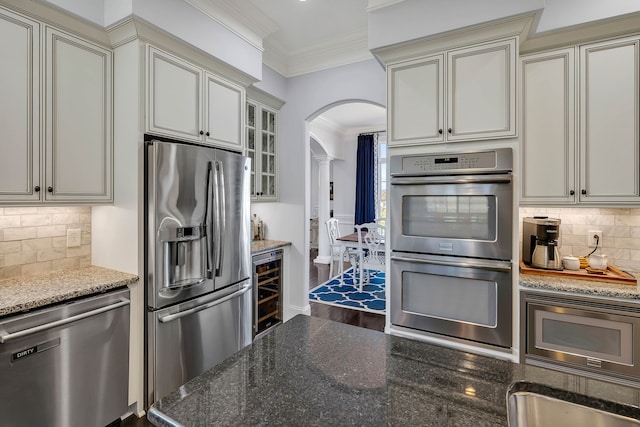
(50, 189)
(208, 134)
(450, 130)
(440, 131)
(572, 192)
(201, 132)
(37, 188)
(584, 192)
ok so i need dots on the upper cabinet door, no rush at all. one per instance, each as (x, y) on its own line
(416, 107)
(548, 128)
(79, 147)
(481, 91)
(224, 113)
(609, 149)
(175, 102)
(19, 108)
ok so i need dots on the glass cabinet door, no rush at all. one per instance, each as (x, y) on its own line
(268, 169)
(261, 147)
(251, 144)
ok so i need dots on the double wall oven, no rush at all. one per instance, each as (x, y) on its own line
(451, 219)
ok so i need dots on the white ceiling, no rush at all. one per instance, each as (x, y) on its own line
(299, 37)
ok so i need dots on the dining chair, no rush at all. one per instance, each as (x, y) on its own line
(338, 251)
(371, 254)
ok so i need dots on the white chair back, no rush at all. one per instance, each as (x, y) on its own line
(333, 230)
(371, 237)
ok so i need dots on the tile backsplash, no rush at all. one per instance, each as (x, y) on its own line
(33, 240)
(620, 232)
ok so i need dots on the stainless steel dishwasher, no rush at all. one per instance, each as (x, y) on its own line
(66, 365)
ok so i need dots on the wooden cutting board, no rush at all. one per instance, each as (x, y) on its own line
(611, 274)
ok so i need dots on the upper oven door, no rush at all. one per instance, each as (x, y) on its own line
(461, 215)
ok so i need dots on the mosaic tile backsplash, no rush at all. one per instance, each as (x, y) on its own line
(620, 232)
(33, 240)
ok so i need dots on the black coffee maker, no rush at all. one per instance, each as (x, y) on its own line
(540, 236)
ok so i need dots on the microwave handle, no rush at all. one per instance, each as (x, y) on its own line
(462, 179)
(496, 266)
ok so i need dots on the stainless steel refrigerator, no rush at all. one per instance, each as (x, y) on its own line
(198, 287)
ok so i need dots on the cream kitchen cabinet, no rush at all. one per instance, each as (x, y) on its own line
(596, 163)
(19, 108)
(609, 112)
(459, 95)
(64, 155)
(189, 103)
(548, 154)
(261, 128)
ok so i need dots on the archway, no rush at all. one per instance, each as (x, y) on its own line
(332, 140)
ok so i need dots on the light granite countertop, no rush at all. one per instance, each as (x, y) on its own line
(258, 246)
(577, 286)
(26, 293)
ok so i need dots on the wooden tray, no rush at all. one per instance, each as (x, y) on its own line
(612, 274)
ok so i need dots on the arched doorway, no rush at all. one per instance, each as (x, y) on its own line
(333, 134)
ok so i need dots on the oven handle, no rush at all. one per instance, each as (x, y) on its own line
(496, 266)
(462, 179)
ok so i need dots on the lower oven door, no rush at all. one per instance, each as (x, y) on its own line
(462, 298)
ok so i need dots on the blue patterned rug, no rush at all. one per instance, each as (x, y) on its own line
(371, 299)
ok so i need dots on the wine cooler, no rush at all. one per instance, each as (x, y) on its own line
(267, 291)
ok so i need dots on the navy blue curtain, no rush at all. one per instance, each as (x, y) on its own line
(365, 180)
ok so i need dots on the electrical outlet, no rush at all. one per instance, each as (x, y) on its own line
(74, 237)
(592, 240)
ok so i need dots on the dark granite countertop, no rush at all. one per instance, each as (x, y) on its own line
(312, 371)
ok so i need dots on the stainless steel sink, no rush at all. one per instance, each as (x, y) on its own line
(526, 408)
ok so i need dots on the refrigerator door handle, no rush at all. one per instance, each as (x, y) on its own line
(207, 219)
(220, 215)
(5, 337)
(170, 317)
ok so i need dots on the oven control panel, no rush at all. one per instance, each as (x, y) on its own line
(463, 162)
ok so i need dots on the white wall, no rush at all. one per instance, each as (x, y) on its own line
(308, 95)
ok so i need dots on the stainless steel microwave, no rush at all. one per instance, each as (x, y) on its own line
(595, 336)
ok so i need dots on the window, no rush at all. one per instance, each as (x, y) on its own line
(381, 176)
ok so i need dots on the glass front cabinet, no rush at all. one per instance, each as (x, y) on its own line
(262, 128)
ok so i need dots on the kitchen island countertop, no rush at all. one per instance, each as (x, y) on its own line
(311, 371)
(25, 293)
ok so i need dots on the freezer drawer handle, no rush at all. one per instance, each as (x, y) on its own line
(170, 317)
(483, 266)
(5, 337)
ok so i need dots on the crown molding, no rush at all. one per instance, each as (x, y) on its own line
(135, 28)
(260, 96)
(60, 18)
(582, 33)
(501, 28)
(247, 23)
(328, 54)
(381, 4)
